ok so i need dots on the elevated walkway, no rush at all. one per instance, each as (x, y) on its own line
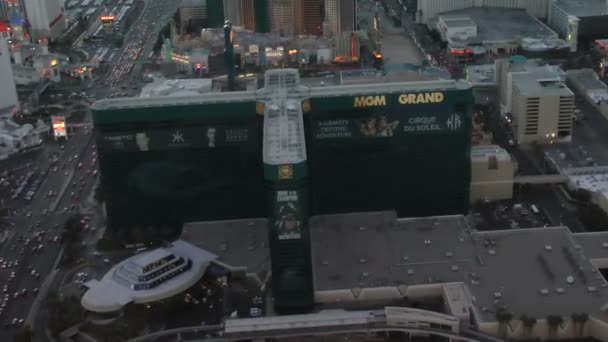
(541, 179)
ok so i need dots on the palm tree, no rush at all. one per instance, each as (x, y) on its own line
(528, 323)
(579, 321)
(504, 318)
(553, 323)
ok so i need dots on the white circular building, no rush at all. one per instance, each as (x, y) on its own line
(148, 277)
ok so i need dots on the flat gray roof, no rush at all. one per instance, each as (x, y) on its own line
(250, 96)
(459, 22)
(503, 24)
(585, 8)
(586, 79)
(595, 244)
(238, 243)
(537, 84)
(377, 250)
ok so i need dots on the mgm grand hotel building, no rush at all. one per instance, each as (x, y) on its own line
(285, 152)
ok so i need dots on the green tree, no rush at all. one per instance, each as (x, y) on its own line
(504, 319)
(579, 321)
(528, 323)
(553, 323)
(63, 312)
(23, 335)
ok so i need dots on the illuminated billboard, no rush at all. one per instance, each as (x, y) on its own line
(108, 20)
(59, 128)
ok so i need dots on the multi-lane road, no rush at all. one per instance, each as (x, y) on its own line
(139, 40)
(31, 234)
(71, 181)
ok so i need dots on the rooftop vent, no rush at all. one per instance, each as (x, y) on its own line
(427, 242)
(492, 252)
(364, 275)
(559, 290)
(362, 260)
(548, 248)
(497, 295)
(605, 244)
(410, 272)
(544, 292)
(591, 289)
(570, 280)
(362, 228)
(324, 262)
(449, 254)
(405, 258)
(455, 268)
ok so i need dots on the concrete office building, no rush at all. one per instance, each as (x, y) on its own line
(492, 172)
(542, 108)
(505, 68)
(340, 16)
(46, 18)
(534, 96)
(7, 84)
(574, 20)
(429, 9)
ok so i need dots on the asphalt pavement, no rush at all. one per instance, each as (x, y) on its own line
(37, 223)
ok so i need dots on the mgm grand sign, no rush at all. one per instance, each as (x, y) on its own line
(404, 99)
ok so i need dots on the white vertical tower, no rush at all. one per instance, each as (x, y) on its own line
(8, 89)
(46, 18)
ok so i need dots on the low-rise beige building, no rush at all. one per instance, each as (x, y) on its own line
(492, 172)
(535, 100)
(542, 108)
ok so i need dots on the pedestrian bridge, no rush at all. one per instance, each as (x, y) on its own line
(330, 322)
(541, 179)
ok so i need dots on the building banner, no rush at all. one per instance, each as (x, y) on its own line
(176, 138)
(118, 142)
(288, 221)
(387, 125)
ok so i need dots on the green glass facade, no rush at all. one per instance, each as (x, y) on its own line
(289, 237)
(165, 165)
(161, 167)
(412, 158)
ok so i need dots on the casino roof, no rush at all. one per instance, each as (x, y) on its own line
(536, 272)
(260, 94)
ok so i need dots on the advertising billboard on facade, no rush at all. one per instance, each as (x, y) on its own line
(408, 152)
(288, 220)
(163, 139)
(59, 128)
(389, 124)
